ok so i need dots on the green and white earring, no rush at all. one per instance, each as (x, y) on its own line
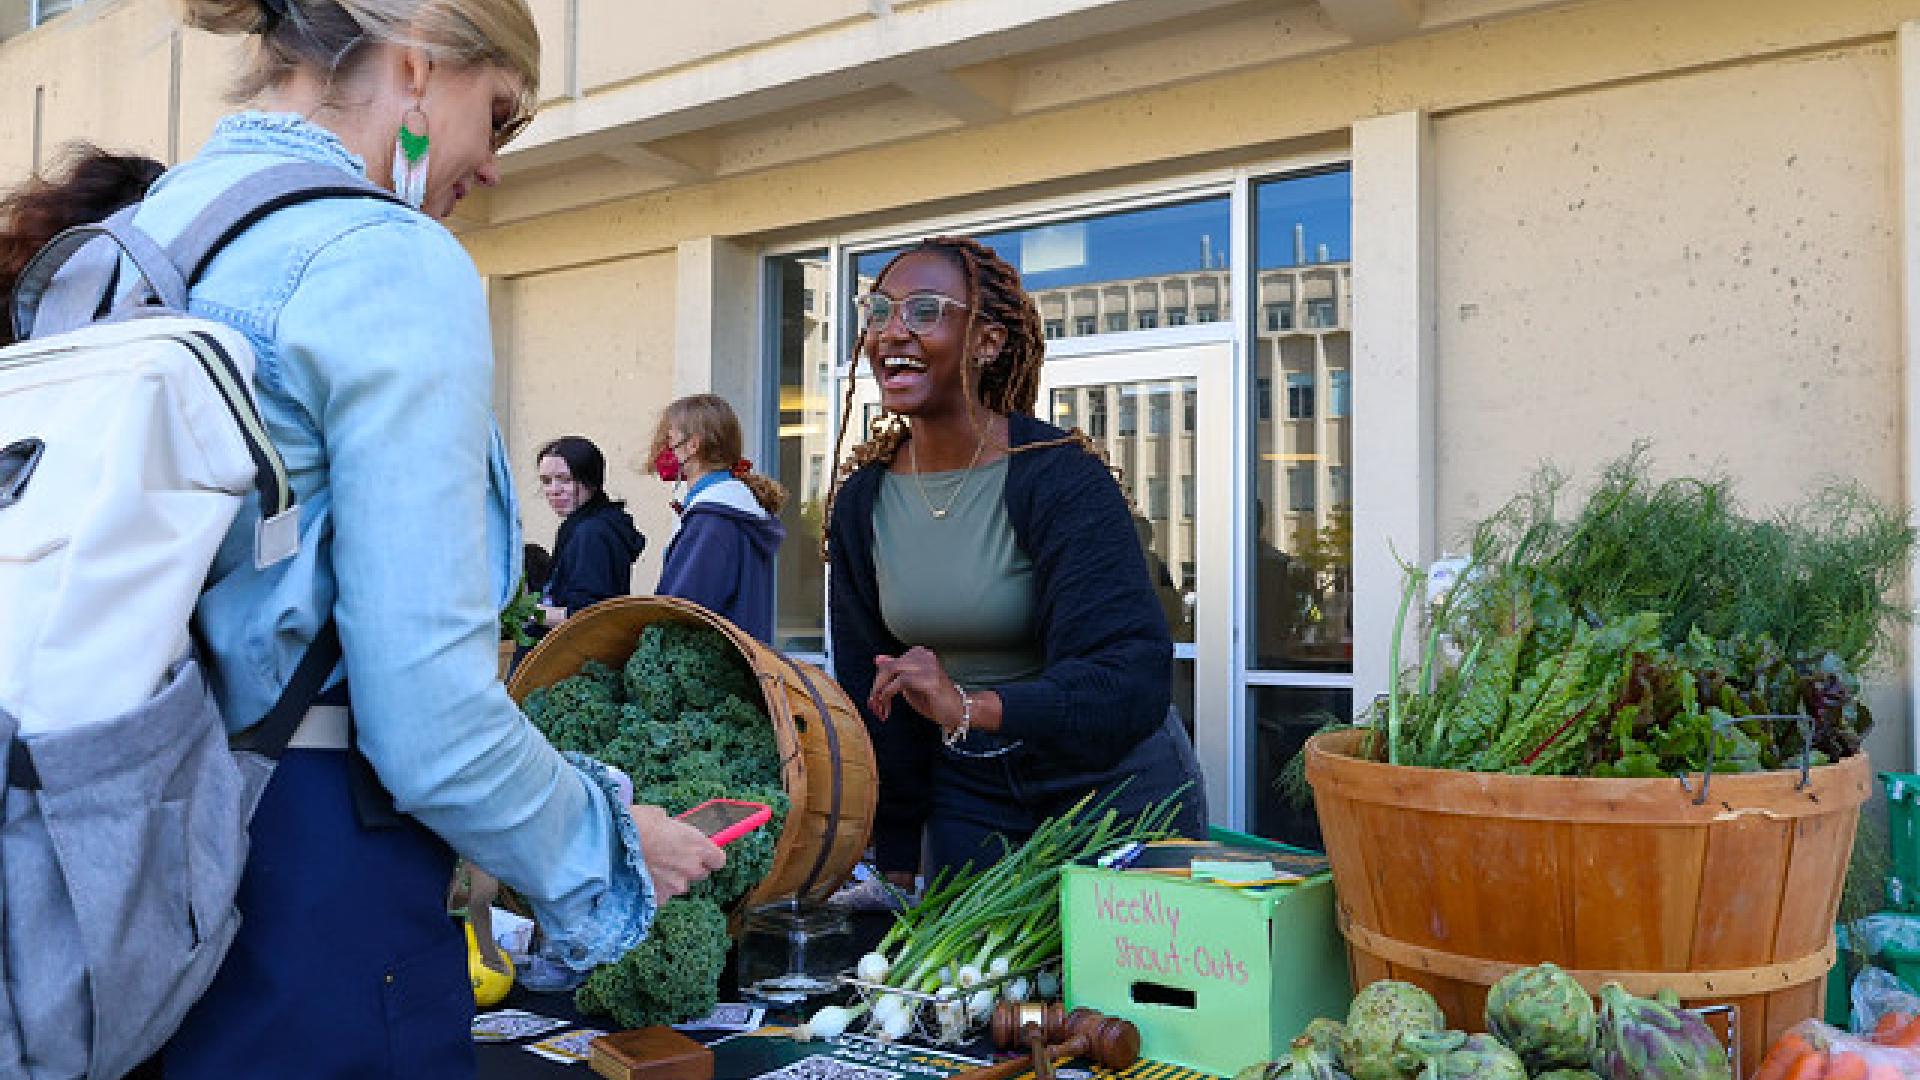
(410, 159)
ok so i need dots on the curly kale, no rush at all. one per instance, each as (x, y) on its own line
(677, 668)
(672, 976)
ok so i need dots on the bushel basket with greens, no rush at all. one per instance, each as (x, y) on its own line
(684, 719)
(1657, 630)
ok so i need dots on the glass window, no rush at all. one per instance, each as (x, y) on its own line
(1206, 314)
(1150, 474)
(1173, 246)
(1159, 412)
(1300, 481)
(1054, 328)
(1148, 320)
(1116, 322)
(1176, 317)
(1300, 592)
(1281, 719)
(804, 438)
(47, 9)
(1299, 396)
(1190, 409)
(1084, 325)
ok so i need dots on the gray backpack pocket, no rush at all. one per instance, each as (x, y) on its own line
(119, 864)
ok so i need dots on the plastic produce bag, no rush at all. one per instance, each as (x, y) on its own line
(1839, 1053)
(1877, 993)
(1876, 934)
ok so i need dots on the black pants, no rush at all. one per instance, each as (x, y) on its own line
(979, 800)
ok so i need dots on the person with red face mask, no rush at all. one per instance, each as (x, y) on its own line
(594, 551)
(722, 556)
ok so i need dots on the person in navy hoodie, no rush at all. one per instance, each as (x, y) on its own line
(593, 552)
(722, 557)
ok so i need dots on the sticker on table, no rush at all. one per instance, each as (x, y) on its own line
(506, 1025)
(567, 1048)
(828, 1068)
(727, 1017)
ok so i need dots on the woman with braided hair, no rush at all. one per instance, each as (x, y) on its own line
(991, 608)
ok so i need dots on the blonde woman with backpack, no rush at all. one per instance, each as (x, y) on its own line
(374, 377)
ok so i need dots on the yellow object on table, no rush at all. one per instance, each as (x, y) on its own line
(490, 985)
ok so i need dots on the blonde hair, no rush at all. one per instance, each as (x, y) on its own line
(708, 418)
(328, 36)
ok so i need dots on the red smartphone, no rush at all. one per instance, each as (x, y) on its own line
(727, 820)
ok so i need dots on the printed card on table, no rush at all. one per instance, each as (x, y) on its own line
(506, 1025)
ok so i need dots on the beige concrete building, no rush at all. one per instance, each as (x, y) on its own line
(1550, 228)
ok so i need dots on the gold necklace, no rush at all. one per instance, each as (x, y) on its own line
(940, 513)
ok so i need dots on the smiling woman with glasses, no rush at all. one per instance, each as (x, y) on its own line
(990, 604)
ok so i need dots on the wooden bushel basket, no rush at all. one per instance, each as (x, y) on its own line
(829, 772)
(1452, 879)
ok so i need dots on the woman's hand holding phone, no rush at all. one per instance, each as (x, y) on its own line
(678, 855)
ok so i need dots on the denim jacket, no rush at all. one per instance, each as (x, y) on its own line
(375, 378)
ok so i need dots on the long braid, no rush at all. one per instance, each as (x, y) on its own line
(1008, 384)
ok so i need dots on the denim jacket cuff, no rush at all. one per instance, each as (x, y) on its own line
(623, 913)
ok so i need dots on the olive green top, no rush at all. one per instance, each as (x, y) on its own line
(958, 584)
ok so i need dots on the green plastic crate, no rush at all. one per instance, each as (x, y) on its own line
(1216, 978)
(1903, 834)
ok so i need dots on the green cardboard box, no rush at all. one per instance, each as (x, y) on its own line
(1216, 978)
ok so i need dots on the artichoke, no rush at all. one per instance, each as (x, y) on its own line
(1325, 1035)
(1452, 1055)
(1651, 1039)
(1543, 1015)
(1383, 1014)
(1305, 1060)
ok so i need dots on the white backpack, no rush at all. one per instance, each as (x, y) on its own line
(129, 441)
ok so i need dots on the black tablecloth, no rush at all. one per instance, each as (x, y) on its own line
(512, 1061)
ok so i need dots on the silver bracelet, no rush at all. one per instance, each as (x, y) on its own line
(959, 732)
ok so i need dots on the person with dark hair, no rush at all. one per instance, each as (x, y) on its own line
(722, 556)
(991, 609)
(89, 186)
(536, 564)
(593, 552)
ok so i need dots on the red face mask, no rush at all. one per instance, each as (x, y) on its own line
(667, 465)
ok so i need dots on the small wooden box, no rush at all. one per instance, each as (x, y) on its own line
(653, 1053)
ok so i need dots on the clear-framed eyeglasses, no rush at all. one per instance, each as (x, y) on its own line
(919, 313)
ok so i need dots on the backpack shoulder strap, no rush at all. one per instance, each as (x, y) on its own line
(69, 282)
(255, 196)
(271, 735)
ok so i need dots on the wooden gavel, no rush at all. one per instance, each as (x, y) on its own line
(1052, 1036)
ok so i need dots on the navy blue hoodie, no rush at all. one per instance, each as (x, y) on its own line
(593, 555)
(722, 557)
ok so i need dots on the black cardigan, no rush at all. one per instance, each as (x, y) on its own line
(593, 555)
(1104, 639)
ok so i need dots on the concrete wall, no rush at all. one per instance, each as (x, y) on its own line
(590, 353)
(1708, 259)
